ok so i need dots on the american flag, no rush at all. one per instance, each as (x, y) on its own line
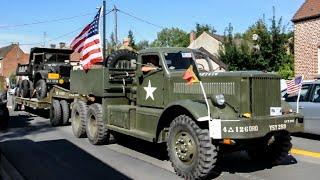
(293, 86)
(87, 43)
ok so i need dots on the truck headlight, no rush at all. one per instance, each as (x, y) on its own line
(219, 99)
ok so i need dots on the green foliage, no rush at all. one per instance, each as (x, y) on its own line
(132, 40)
(13, 79)
(142, 45)
(200, 28)
(171, 37)
(261, 48)
(2, 83)
(111, 44)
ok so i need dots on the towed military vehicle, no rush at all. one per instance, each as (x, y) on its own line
(47, 67)
(226, 111)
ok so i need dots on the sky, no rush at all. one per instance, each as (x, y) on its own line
(64, 19)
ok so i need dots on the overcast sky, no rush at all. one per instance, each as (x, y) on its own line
(164, 13)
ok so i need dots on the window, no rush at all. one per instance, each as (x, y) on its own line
(179, 61)
(316, 94)
(318, 60)
(303, 95)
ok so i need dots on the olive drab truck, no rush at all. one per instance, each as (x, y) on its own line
(197, 120)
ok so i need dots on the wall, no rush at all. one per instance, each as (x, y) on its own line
(306, 42)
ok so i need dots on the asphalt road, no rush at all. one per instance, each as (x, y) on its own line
(55, 152)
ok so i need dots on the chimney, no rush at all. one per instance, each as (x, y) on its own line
(62, 45)
(192, 36)
(53, 46)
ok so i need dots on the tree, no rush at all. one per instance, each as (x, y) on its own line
(200, 28)
(142, 45)
(171, 37)
(132, 40)
(111, 44)
(262, 47)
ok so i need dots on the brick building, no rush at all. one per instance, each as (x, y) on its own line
(307, 39)
(12, 55)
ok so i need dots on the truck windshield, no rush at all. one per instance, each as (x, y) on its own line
(57, 57)
(179, 60)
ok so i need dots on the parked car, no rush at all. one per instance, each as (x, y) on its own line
(309, 105)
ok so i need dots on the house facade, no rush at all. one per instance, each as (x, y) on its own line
(307, 39)
(12, 55)
(210, 44)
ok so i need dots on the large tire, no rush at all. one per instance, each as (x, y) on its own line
(273, 148)
(78, 118)
(65, 112)
(25, 89)
(41, 89)
(4, 119)
(192, 154)
(96, 127)
(122, 54)
(55, 113)
(15, 105)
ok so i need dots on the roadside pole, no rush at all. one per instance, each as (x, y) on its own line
(298, 99)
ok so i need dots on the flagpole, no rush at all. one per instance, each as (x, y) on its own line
(104, 30)
(298, 99)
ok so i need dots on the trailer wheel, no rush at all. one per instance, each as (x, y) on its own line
(191, 152)
(4, 118)
(65, 112)
(273, 149)
(25, 93)
(55, 113)
(15, 105)
(96, 127)
(78, 118)
(41, 89)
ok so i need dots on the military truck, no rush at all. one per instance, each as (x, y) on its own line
(225, 111)
(47, 67)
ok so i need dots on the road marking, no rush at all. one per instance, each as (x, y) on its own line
(305, 153)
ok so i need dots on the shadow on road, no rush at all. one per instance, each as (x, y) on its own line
(20, 124)
(307, 136)
(56, 159)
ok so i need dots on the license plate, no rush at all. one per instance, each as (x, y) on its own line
(275, 111)
(53, 76)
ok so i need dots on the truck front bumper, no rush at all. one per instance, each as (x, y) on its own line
(254, 127)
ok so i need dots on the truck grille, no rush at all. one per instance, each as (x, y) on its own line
(64, 71)
(265, 93)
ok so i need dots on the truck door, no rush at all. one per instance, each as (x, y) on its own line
(150, 83)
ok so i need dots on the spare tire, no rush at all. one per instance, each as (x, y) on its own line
(41, 89)
(122, 54)
(25, 89)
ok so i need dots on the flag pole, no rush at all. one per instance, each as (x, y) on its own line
(298, 99)
(104, 30)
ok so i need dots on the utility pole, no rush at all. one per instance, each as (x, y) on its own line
(44, 39)
(115, 25)
(104, 30)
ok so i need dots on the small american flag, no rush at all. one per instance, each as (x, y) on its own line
(293, 86)
(87, 43)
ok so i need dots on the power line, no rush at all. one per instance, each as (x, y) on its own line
(140, 19)
(47, 21)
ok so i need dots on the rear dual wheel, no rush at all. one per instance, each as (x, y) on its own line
(96, 127)
(59, 112)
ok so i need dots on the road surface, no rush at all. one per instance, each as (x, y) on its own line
(56, 152)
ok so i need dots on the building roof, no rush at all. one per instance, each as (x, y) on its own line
(5, 50)
(310, 9)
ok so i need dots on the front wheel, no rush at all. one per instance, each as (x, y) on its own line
(190, 149)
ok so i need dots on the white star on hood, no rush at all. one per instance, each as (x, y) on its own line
(149, 91)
